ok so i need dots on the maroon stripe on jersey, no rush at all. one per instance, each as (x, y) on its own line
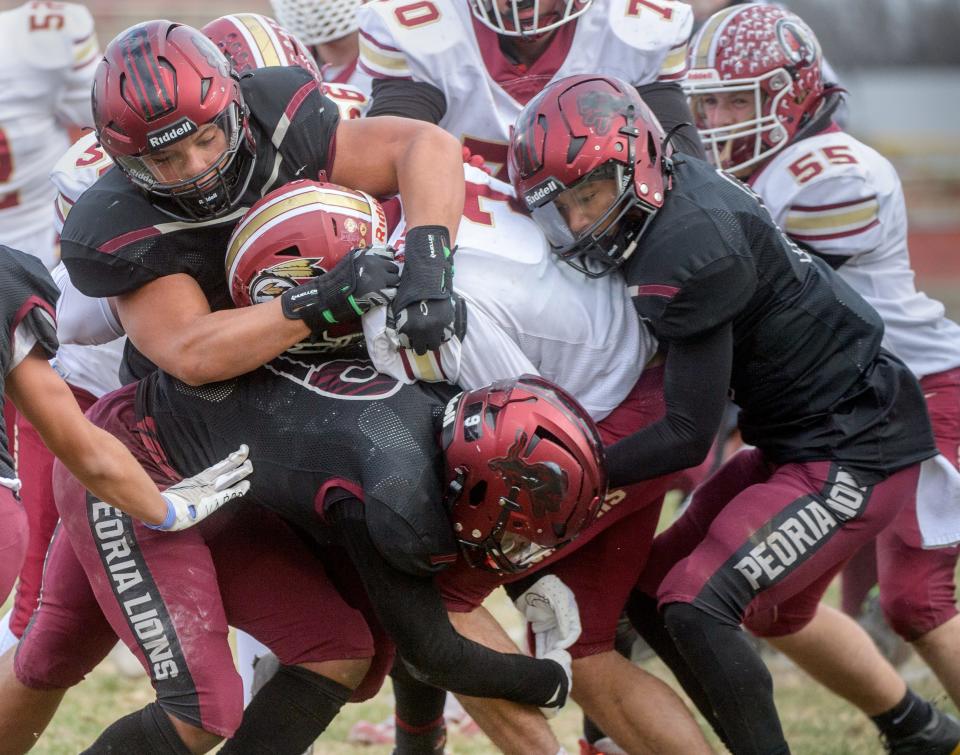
(380, 74)
(375, 43)
(835, 206)
(146, 432)
(406, 364)
(298, 97)
(319, 500)
(109, 247)
(830, 236)
(667, 292)
(30, 303)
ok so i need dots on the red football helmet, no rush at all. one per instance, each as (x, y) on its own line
(527, 18)
(160, 82)
(524, 471)
(252, 41)
(578, 130)
(296, 233)
(771, 56)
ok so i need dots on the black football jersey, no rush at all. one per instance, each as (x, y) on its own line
(315, 427)
(114, 240)
(28, 296)
(808, 371)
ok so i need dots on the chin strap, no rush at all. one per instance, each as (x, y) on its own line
(830, 100)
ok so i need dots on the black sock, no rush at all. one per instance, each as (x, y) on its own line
(733, 677)
(907, 717)
(421, 729)
(288, 713)
(148, 731)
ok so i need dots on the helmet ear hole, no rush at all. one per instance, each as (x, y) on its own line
(478, 494)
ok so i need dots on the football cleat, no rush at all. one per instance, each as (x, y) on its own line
(941, 736)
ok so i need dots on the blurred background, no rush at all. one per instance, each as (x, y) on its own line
(898, 59)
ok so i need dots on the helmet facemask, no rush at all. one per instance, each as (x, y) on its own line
(211, 193)
(510, 24)
(744, 144)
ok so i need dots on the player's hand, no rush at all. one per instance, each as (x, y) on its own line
(426, 312)
(551, 609)
(364, 279)
(194, 498)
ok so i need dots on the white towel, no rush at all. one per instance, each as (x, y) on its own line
(938, 503)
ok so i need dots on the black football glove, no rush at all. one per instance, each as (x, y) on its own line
(426, 311)
(364, 279)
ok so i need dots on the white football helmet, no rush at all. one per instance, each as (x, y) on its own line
(317, 22)
(523, 19)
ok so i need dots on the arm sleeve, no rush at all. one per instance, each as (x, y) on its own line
(412, 612)
(410, 99)
(669, 104)
(696, 378)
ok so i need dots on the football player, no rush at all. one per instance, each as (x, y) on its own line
(758, 93)
(29, 339)
(348, 441)
(194, 147)
(471, 65)
(252, 41)
(839, 426)
(566, 338)
(330, 31)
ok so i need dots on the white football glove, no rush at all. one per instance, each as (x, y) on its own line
(551, 609)
(566, 663)
(194, 498)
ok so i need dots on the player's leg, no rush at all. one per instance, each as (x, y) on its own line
(66, 638)
(36, 472)
(276, 589)
(634, 708)
(811, 517)
(514, 729)
(917, 586)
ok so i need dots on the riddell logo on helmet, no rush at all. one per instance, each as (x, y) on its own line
(170, 134)
(543, 192)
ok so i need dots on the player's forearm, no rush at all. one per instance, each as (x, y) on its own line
(224, 344)
(430, 177)
(105, 467)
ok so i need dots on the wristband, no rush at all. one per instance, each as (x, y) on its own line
(169, 520)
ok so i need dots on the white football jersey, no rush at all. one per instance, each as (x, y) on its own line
(840, 197)
(351, 101)
(47, 62)
(439, 42)
(91, 343)
(351, 75)
(526, 312)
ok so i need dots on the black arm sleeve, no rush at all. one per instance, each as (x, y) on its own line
(412, 612)
(696, 378)
(410, 99)
(668, 102)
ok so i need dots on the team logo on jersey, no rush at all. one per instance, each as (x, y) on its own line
(543, 192)
(170, 134)
(799, 47)
(545, 482)
(598, 109)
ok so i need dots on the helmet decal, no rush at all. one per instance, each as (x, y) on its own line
(544, 481)
(151, 87)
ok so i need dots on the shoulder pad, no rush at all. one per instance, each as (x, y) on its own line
(651, 24)
(56, 35)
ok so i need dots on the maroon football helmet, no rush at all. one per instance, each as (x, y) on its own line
(252, 41)
(582, 129)
(158, 83)
(767, 54)
(296, 233)
(524, 472)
